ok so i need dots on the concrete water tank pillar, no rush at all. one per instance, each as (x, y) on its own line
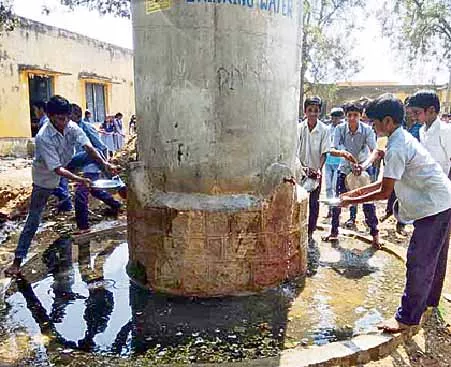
(217, 92)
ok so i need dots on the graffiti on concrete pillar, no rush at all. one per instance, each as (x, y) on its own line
(229, 79)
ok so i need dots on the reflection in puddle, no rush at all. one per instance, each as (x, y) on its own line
(80, 298)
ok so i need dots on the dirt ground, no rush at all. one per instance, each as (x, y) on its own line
(431, 347)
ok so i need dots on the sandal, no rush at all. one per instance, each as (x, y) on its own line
(13, 271)
(330, 238)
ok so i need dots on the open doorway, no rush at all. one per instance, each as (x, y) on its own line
(40, 88)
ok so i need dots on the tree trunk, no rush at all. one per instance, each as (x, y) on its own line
(303, 72)
(304, 54)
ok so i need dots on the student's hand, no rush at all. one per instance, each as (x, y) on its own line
(351, 194)
(380, 154)
(291, 180)
(357, 169)
(313, 173)
(86, 181)
(112, 168)
(345, 201)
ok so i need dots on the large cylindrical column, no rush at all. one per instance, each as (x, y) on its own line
(217, 91)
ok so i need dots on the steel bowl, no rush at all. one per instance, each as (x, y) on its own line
(334, 202)
(356, 182)
(109, 185)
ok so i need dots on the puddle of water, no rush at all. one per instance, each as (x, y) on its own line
(80, 298)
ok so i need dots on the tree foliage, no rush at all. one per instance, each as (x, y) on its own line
(326, 47)
(116, 7)
(420, 27)
(7, 18)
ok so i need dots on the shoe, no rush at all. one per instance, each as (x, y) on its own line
(330, 238)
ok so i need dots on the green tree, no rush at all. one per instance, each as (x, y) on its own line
(7, 19)
(420, 27)
(421, 30)
(117, 7)
(327, 31)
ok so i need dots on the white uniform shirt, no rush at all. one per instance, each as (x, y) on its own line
(421, 186)
(312, 144)
(437, 140)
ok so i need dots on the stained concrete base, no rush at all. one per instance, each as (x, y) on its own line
(215, 245)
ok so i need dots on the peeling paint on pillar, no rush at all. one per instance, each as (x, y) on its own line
(217, 90)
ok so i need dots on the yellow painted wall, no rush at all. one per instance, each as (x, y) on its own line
(60, 51)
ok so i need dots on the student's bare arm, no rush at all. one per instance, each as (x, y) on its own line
(383, 193)
(94, 154)
(61, 171)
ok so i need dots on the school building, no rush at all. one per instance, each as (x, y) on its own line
(38, 61)
(344, 92)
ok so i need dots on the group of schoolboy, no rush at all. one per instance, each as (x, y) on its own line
(417, 162)
(65, 145)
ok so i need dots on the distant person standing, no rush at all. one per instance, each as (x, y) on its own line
(118, 131)
(332, 163)
(435, 134)
(88, 116)
(40, 111)
(132, 125)
(107, 131)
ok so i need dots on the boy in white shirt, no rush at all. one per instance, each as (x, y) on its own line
(424, 196)
(313, 144)
(435, 134)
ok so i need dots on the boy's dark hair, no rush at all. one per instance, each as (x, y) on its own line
(313, 101)
(41, 105)
(337, 112)
(424, 99)
(118, 115)
(353, 107)
(86, 112)
(58, 105)
(386, 106)
(76, 108)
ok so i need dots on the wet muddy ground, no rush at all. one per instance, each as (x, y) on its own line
(51, 320)
(78, 300)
